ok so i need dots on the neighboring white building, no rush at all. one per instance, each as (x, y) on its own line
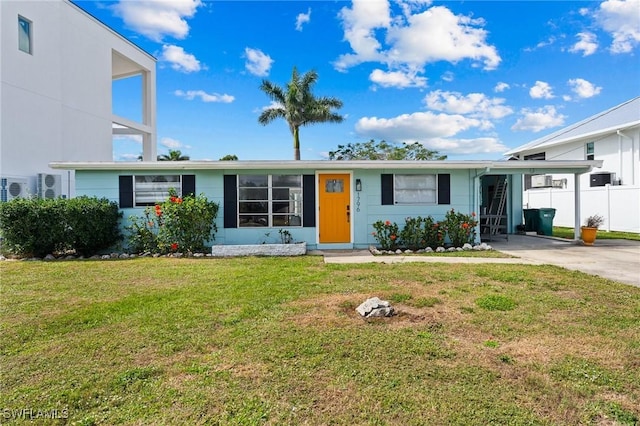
(57, 69)
(612, 136)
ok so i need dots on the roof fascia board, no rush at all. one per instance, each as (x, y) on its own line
(482, 167)
(576, 138)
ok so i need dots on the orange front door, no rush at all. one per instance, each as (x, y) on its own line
(334, 208)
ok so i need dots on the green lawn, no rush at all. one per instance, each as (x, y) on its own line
(612, 235)
(277, 341)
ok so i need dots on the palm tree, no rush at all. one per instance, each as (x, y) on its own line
(298, 106)
(174, 155)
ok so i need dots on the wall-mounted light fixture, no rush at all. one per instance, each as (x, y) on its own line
(358, 185)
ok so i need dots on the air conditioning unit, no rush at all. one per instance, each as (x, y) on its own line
(49, 186)
(541, 181)
(559, 183)
(602, 179)
(11, 187)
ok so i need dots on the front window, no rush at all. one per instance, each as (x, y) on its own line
(415, 189)
(590, 151)
(269, 200)
(24, 35)
(153, 189)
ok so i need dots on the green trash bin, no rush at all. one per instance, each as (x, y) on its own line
(545, 221)
(530, 220)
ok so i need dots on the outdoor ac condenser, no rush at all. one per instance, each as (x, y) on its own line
(541, 181)
(49, 186)
(13, 187)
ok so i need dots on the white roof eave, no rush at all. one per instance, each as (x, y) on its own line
(319, 165)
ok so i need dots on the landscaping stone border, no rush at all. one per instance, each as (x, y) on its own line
(294, 249)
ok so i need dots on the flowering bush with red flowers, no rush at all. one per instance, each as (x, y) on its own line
(421, 232)
(184, 224)
(387, 234)
(460, 228)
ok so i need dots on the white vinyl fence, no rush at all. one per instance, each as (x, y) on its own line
(619, 205)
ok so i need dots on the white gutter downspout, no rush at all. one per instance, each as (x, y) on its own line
(633, 171)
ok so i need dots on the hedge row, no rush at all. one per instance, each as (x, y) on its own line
(37, 227)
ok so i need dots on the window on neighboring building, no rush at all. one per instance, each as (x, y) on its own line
(414, 189)
(269, 200)
(590, 152)
(150, 190)
(24, 35)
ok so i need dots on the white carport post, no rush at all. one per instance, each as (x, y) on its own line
(576, 198)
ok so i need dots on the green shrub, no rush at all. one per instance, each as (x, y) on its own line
(412, 235)
(37, 227)
(93, 224)
(461, 228)
(387, 234)
(178, 224)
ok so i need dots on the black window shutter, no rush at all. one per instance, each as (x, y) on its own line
(125, 186)
(308, 201)
(387, 189)
(230, 208)
(444, 189)
(527, 182)
(189, 185)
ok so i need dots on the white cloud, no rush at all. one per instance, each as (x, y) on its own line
(587, 44)
(359, 24)
(173, 143)
(128, 157)
(501, 87)
(303, 18)
(475, 105)
(258, 63)
(448, 76)
(437, 34)
(483, 145)
(434, 131)
(621, 20)
(179, 59)
(400, 79)
(541, 90)
(583, 88)
(157, 19)
(418, 126)
(540, 119)
(413, 39)
(204, 96)
(128, 138)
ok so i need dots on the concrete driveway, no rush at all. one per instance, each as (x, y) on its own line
(618, 260)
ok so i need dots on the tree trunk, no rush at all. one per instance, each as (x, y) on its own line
(296, 143)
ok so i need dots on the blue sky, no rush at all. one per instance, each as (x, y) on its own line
(470, 79)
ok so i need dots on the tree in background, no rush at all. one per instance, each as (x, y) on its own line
(173, 155)
(382, 150)
(229, 157)
(298, 106)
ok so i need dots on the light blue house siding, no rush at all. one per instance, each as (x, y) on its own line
(465, 186)
(366, 205)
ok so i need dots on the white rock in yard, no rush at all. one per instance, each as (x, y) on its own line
(428, 250)
(407, 251)
(467, 246)
(459, 249)
(375, 307)
(106, 256)
(398, 251)
(440, 250)
(49, 257)
(451, 249)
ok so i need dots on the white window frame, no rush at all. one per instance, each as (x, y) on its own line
(153, 190)
(21, 35)
(295, 205)
(591, 154)
(407, 193)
